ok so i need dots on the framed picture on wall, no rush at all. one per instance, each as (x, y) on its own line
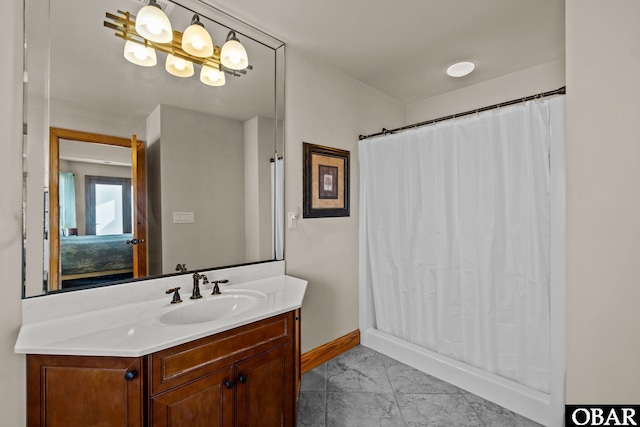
(325, 180)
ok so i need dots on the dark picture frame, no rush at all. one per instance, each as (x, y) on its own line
(325, 181)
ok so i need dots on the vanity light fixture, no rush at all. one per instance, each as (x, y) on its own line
(196, 40)
(460, 69)
(140, 54)
(212, 76)
(178, 67)
(153, 24)
(233, 54)
(184, 50)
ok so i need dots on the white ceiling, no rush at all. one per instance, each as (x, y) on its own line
(403, 47)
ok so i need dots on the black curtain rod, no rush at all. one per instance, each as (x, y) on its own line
(385, 131)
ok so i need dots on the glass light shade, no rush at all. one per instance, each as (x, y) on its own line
(196, 41)
(460, 69)
(233, 55)
(153, 24)
(140, 54)
(178, 67)
(212, 76)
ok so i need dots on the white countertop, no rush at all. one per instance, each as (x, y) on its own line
(134, 329)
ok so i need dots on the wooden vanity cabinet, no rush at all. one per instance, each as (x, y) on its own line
(247, 376)
(81, 391)
(203, 402)
(263, 397)
(242, 377)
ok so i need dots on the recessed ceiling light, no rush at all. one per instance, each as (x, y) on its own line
(460, 69)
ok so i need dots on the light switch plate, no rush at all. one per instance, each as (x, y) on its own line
(292, 219)
(183, 217)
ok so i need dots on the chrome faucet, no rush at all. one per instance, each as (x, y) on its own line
(196, 284)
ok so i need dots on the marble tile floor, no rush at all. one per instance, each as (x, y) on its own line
(365, 388)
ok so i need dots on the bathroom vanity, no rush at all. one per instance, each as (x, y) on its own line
(136, 365)
(245, 376)
(120, 354)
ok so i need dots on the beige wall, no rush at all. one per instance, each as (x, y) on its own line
(542, 78)
(603, 201)
(68, 116)
(259, 147)
(12, 368)
(202, 164)
(326, 107)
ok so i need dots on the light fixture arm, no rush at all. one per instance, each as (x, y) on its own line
(232, 36)
(155, 4)
(196, 20)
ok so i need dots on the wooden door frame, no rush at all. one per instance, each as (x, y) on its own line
(139, 173)
(55, 135)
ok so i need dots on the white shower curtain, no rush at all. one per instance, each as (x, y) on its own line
(455, 238)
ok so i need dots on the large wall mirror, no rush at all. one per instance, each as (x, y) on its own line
(132, 172)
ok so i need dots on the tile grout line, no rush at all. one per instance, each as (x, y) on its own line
(393, 391)
(474, 410)
(326, 398)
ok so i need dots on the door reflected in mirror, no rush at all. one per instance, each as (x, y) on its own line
(101, 216)
(200, 182)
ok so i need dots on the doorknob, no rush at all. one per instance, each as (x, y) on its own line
(135, 241)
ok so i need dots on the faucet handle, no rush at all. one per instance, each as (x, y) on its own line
(216, 288)
(176, 295)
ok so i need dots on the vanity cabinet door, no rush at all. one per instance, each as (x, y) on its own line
(206, 402)
(81, 391)
(265, 390)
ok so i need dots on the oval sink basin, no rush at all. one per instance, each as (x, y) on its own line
(212, 308)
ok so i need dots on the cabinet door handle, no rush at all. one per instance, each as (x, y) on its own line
(228, 384)
(130, 375)
(242, 379)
